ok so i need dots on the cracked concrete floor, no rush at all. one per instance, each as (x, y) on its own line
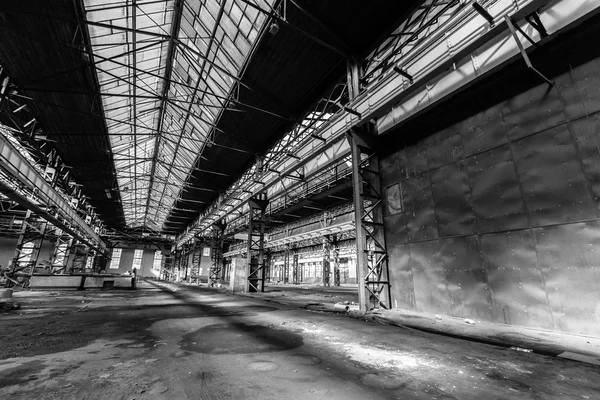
(165, 341)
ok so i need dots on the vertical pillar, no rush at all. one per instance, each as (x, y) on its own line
(184, 259)
(326, 264)
(268, 266)
(216, 255)
(256, 238)
(336, 263)
(286, 264)
(167, 267)
(371, 257)
(33, 231)
(295, 267)
(60, 252)
(196, 257)
(79, 253)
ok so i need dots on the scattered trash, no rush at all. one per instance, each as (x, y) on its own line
(521, 349)
(151, 360)
(104, 376)
(470, 321)
(438, 316)
(346, 306)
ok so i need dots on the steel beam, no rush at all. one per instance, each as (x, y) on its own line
(17, 168)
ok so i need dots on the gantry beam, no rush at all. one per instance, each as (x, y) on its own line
(30, 181)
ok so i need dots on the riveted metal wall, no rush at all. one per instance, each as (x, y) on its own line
(496, 217)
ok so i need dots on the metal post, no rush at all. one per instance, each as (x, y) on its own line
(80, 253)
(216, 255)
(28, 248)
(183, 263)
(371, 257)
(336, 263)
(326, 264)
(256, 237)
(196, 257)
(60, 252)
(286, 265)
(295, 277)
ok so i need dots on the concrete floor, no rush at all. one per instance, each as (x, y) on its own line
(167, 341)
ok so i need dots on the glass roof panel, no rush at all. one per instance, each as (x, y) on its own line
(156, 140)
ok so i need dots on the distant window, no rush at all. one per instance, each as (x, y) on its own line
(88, 262)
(26, 252)
(137, 258)
(157, 259)
(116, 259)
(206, 252)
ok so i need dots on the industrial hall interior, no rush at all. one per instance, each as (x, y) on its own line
(300, 199)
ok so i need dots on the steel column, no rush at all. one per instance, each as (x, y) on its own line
(80, 254)
(216, 255)
(196, 257)
(28, 248)
(336, 263)
(326, 263)
(295, 278)
(286, 265)
(60, 253)
(256, 239)
(371, 257)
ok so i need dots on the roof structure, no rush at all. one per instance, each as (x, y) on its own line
(160, 106)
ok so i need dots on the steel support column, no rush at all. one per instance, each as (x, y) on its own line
(371, 257)
(216, 255)
(295, 266)
(184, 261)
(336, 262)
(256, 240)
(196, 257)
(79, 253)
(28, 248)
(326, 263)
(60, 252)
(286, 265)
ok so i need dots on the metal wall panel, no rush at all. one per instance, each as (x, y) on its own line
(466, 281)
(553, 182)
(395, 229)
(429, 278)
(503, 225)
(420, 213)
(569, 256)
(533, 111)
(587, 137)
(497, 198)
(416, 159)
(581, 90)
(452, 198)
(403, 291)
(484, 131)
(515, 280)
(444, 147)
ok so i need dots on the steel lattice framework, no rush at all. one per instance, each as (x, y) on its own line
(29, 244)
(166, 70)
(216, 256)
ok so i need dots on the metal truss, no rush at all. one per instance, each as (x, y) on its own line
(171, 92)
(196, 257)
(60, 253)
(286, 265)
(99, 262)
(166, 267)
(372, 257)
(256, 241)
(216, 256)
(79, 256)
(430, 15)
(296, 275)
(326, 264)
(184, 261)
(336, 262)
(28, 248)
